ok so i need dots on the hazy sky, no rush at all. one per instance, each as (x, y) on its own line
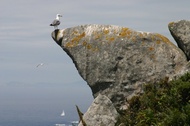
(25, 41)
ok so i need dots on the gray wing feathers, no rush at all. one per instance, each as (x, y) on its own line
(55, 23)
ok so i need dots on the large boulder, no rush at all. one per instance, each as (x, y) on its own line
(101, 113)
(116, 61)
(180, 30)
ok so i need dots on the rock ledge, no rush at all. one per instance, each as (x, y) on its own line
(116, 61)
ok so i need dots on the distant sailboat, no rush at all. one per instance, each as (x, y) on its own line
(63, 113)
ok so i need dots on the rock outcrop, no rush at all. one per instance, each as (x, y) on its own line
(180, 30)
(101, 113)
(116, 61)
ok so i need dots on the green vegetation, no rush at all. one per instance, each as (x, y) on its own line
(162, 104)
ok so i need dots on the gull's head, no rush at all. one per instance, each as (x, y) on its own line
(58, 15)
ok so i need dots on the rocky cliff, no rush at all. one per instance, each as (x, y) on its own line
(116, 61)
(180, 30)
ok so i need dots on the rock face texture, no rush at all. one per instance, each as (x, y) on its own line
(180, 30)
(116, 61)
(101, 113)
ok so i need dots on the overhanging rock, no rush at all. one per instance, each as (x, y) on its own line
(116, 61)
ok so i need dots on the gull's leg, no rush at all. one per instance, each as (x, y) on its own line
(55, 27)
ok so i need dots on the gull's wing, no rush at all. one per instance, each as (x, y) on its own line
(55, 23)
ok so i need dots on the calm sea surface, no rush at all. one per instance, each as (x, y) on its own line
(42, 105)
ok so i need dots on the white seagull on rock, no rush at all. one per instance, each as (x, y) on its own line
(56, 22)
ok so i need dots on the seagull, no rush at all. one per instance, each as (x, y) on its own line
(56, 22)
(41, 64)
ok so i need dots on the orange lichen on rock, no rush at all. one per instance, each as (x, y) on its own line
(69, 44)
(158, 42)
(84, 43)
(163, 38)
(77, 38)
(74, 42)
(97, 36)
(105, 31)
(151, 48)
(110, 39)
(125, 32)
(89, 46)
(170, 24)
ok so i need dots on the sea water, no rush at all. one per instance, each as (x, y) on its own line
(29, 123)
(42, 104)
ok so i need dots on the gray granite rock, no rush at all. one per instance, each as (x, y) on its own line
(180, 30)
(101, 113)
(116, 61)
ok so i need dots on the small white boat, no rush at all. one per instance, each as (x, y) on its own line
(63, 113)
